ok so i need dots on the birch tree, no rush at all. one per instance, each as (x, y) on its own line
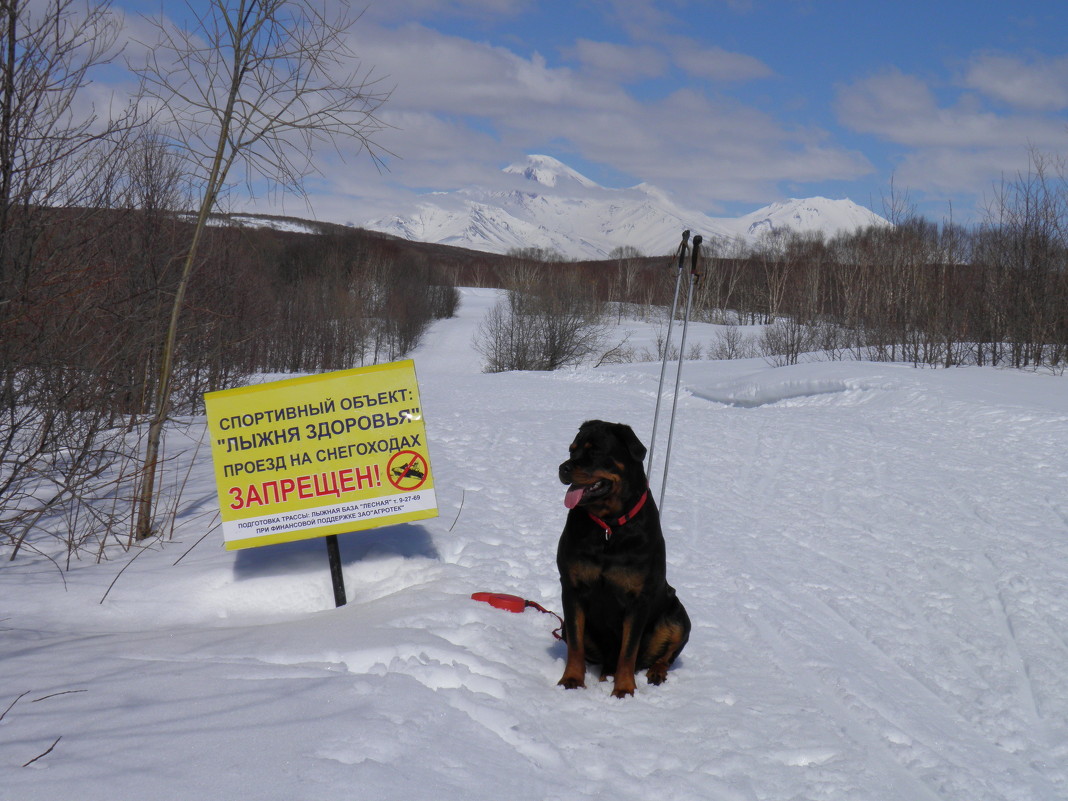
(253, 88)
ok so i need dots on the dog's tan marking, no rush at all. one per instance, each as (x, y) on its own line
(623, 684)
(630, 581)
(575, 667)
(583, 573)
(662, 648)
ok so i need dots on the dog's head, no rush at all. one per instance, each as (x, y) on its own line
(605, 471)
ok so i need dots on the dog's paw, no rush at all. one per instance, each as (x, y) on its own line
(623, 688)
(656, 675)
(572, 682)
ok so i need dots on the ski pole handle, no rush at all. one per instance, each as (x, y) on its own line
(682, 248)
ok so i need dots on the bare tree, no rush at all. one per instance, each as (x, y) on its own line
(257, 85)
(783, 342)
(555, 323)
(1027, 255)
(771, 251)
(47, 51)
(732, 343)
(58, 169)
(625, 282)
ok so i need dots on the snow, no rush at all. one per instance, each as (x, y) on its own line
(547, 171)
(810, 215)
(874, 557)
(553, 207)
(257, 221)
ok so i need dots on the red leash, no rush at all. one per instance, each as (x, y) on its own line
(513, 603)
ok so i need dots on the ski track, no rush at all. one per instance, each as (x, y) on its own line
(876, 567)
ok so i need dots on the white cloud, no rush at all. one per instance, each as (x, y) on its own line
(393, 10)
(716, 149)
(1039, 86)
(903, 109)
(451, 75)
(619, 62)
(461, 109)
(461, 105)
(717, 64)
(950, 147)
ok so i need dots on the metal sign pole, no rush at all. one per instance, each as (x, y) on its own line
(333, 552)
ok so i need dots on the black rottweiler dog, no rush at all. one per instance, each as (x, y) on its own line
(619, 610)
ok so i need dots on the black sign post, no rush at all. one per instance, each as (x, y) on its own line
(333, 551)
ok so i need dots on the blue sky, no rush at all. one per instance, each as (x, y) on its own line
(727, 105)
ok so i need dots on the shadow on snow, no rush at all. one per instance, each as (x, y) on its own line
(404, 540)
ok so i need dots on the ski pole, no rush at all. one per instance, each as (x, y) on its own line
(667, 347)
(678, 374)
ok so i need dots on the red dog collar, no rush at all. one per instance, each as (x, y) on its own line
(619, 521)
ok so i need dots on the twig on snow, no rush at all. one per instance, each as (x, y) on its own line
(46, 753)
(463, 495)
(53, 695)
(194, 545)
(112, 584)
(12, 704)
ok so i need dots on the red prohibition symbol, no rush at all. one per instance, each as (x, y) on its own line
(407, 470)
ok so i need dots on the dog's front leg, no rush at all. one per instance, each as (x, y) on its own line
(575, 668)
(634, 623)
(628, 659)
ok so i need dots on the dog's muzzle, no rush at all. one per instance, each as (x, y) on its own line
(565, 472)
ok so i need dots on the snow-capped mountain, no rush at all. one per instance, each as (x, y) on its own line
(551, 206)
(813, 214)
(547, 171)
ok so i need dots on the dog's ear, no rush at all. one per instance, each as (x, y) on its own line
(630, 441)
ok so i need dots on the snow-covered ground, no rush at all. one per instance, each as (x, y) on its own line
(875, 559)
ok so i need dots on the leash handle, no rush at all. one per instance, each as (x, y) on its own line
(513, 603)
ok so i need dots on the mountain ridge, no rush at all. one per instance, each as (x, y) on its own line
(543, 203)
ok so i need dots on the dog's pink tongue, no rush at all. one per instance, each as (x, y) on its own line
(573, 496)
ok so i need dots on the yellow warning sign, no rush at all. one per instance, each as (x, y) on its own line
(319, 455)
